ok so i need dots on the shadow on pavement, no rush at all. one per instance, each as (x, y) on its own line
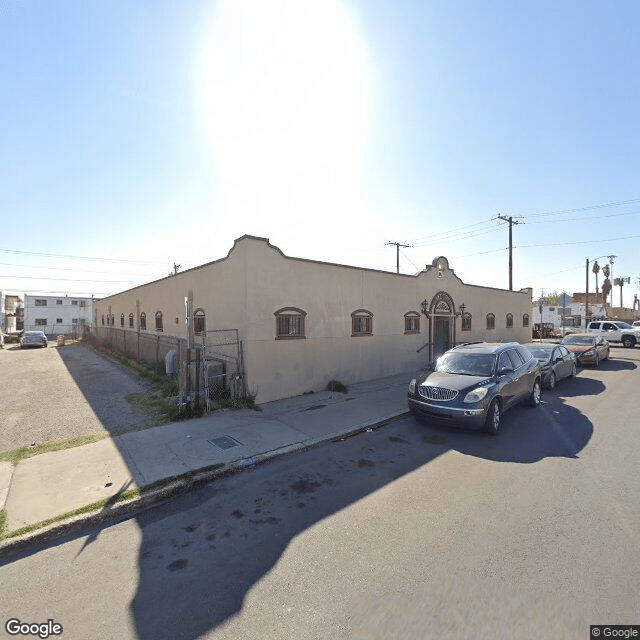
(202, 552)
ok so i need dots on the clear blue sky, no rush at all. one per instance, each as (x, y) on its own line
(143, 134)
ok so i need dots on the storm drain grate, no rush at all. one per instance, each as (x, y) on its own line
(224, 442)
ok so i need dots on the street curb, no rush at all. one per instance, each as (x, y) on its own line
(182, 484)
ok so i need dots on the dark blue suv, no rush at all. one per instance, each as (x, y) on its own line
(473, 384)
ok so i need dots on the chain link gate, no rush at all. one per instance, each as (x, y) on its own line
(221, 365)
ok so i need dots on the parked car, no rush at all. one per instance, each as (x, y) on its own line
(475, 383)
(589, 348)
(33, 339)
(556, 362)
(615, 331)
(13, 336)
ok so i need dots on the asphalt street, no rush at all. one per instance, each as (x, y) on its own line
(409, 531)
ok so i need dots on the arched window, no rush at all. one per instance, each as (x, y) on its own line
(491, 321)
(159, 321)
(122, 319)
(198, 321)
(290, 323)
(466, 322)
(143, 321)
(361, 323)
(509, 321)
(103, 318)
(525, 320)
(131, 320)
(412, 322)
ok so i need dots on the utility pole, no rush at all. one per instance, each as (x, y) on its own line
(398, 245)
(511, 222)
(586, 299)
(611, 275)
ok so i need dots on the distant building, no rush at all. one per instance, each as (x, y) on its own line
(13, 314)
(57, 314)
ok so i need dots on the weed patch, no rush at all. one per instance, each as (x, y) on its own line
(22, 453)
(337, 386)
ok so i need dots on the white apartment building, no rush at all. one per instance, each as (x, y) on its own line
(55, 314)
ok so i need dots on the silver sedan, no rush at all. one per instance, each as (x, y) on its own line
(33, 339)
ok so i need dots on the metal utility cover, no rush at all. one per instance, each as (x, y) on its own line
(224, 442)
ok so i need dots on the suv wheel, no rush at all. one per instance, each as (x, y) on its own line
(536, 392)
(552, 380)
(628, 341)
(492, 421)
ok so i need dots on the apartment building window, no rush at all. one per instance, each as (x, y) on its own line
(82, 303)
(509, 321)
(41, 322)
(361, 323)
(58, 301)
(466, 322)
(38, 302)
(131, 320)
(412, 322)
(59, 321)
(159, 321)
(143, 321)
(198, 321)
(491, 321)
(74, 321)
(290, 323)
(74, 302)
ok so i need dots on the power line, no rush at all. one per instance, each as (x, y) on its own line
(30, 266)
(435, 236)
(57, 255)
(67, 279)
(613, 215)
(587, 208)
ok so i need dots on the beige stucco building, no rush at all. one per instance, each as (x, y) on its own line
(303, 322)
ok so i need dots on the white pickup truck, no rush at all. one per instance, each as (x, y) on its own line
(615, 332)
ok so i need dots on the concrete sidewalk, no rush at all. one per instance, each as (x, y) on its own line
(54, 484)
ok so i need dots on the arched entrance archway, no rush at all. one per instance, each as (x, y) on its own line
(442, 325)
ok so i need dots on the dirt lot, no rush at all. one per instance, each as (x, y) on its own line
(62, 392)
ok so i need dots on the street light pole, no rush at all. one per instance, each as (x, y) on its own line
(586, 299)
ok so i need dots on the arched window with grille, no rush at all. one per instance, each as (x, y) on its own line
(466, 322)
(143, 321)
(199, 321)
(131, 320)
(509, 321)
(290, 323)
(412, 322)
(525, 320)
(159, 321)
(361, 323)
(491, 321)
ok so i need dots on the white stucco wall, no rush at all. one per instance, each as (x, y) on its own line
(245, 289)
